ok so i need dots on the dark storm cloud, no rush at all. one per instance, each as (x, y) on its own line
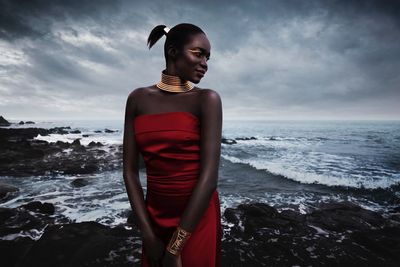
(268, 57)
(32, 18)
(386, 8)
(50, 67)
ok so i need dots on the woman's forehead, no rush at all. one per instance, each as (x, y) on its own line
(199, 41)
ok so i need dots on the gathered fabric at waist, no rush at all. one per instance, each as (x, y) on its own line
(179, 184)
(166, 211)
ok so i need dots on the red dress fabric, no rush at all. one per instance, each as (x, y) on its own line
(170, 145)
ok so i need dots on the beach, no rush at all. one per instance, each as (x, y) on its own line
(293, 193)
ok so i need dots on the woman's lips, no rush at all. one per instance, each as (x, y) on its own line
(201, 72)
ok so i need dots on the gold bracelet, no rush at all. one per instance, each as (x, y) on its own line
(178, 240)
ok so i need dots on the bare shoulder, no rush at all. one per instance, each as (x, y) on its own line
(137, 92)
(210, 104)
(133, 98)
(210, 97)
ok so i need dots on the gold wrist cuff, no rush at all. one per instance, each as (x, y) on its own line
(178, 240)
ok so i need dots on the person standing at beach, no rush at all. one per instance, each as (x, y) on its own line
(177, 128)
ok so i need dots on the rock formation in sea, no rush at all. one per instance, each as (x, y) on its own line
(4, 122)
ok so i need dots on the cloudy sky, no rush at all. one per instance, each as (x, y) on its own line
(269, 59)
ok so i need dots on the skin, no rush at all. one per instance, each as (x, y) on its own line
(203, 103)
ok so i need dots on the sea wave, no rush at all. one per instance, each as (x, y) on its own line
(308, 176)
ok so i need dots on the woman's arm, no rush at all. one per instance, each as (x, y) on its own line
(130, 171)
(210, 149)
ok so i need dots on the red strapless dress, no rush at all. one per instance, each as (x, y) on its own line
(170, 145)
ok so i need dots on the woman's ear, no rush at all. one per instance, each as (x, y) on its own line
(172, 52)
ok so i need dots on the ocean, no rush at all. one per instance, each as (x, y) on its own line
(287, 164)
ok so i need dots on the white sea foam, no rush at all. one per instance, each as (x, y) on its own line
(296, 168)
(105, 139)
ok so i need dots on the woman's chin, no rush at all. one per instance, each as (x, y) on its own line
(196, 80)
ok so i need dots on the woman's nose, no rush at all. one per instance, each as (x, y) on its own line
(203, 62)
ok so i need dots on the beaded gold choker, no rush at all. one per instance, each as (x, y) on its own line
(173, 83)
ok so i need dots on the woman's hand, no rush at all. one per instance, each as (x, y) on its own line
(154, 247)
(171, 260)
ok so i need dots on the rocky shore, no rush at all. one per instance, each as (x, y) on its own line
(22, 155)
(334, 234)
(255, 234)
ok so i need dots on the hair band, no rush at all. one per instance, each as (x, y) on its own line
(166, 29)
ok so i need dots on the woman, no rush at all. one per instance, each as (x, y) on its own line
(177, 129)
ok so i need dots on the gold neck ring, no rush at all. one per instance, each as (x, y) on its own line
(173, 83)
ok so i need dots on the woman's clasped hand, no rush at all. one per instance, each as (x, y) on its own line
(158, 255)
(171, 260)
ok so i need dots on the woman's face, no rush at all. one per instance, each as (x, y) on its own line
(191, 63)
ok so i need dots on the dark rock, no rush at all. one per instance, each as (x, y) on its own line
(228, 141)
(344, 216)
(79, 168)
(4, 122)
(395, 210)
(94, 144)
(383, 242)
(80, 149)
(292, 216)
(75, 132)
(27, 217)
(7, 191)
(110, 131)
(60, 130)
(63, 145)
(76, 142)
(81, 244)
(22, 155)
(65, 244)
(35, 153)
(12, 251)
(30, 122)
(85, 135)
(102, 152)
(230, 216)
(13, 221)
(261, 215)
(79, 182)
(132, 218)
(28, 133)
(36, 142)
(21, 122)
(77, 146)
(395, 217)
(98, 131)
(246, 138)
(38, 206)
(335, 234)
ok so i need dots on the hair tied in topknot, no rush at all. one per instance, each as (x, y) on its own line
(156, 34)
(166, 30)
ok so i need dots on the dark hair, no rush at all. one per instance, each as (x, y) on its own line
(177, 36)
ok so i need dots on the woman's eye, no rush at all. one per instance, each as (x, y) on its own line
(196, 52)
(199, 54)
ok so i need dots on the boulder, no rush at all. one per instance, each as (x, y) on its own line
(4, 122)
